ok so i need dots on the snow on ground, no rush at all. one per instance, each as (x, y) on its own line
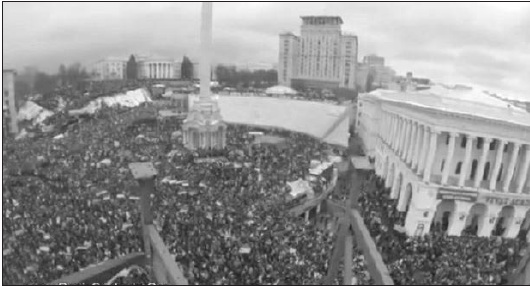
(132, 98)
(33, 112)
(321, 120)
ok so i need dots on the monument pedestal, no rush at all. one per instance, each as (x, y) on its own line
(204, 127)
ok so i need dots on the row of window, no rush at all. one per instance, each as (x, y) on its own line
(474, 165)
(480, 143)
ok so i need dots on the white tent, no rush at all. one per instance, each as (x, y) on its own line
(131, 98)
(279, 89)
(300, 187)
(33, 112)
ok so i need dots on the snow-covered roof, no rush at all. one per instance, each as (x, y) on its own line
(460, 99)
(33, 112)
(132, 98)
(279, 89)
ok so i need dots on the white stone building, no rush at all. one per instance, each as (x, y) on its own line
(111, 68)
(148, 67)
(9, 109)
(457, 157)
(322, 56)
(158, 68)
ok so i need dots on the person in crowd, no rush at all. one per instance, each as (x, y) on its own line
(70, 203)
(435, 258)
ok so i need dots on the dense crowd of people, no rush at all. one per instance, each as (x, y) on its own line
(435, 259)
(69, 203)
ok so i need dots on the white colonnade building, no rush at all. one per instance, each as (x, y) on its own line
(449, 160)
(154, 68)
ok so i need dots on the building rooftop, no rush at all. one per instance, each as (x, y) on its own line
(460, 99)
(322, 19)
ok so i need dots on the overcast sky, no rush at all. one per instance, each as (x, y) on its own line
(481, 43)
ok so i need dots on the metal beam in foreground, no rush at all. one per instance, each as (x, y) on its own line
(159, 261)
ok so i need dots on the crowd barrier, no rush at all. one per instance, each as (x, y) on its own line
(103, 272)
(165, 270)
(374, 261)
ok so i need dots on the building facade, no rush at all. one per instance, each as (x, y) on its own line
(153, 68)
(9, 109)
(322, 56)
(110, 69)
(466, 172)
(373, 65)
(148, 67)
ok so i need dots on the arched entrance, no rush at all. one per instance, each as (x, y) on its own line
(444, 213)
(504, 221)
(475, 219)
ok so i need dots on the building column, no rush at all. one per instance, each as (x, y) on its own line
(464, 171)
(393, 132)
(498, 161)
(425, 146)
(401, 135)
(397, 129)
(388, 128)
(449, 157)
(513, 228)
(394, 191)
(522, 177)
(406, 140)
(384, 128)
(417, 147)
(458, 218)
(482, 162)
(430, 158)
(412, 142)
(489, 221)
(406, 135)
(511, 167)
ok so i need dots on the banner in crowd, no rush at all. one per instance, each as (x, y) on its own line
(301, 187)
(210, 160)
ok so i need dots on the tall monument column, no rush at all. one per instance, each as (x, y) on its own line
(204, 121)
(206, 48)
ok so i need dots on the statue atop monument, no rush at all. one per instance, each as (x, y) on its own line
(204, 127)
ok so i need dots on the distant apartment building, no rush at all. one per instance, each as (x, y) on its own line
(374, 66)
(322, 56)
(9, 109)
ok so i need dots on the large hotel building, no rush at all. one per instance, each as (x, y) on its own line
(454, 158)
(322, 56)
